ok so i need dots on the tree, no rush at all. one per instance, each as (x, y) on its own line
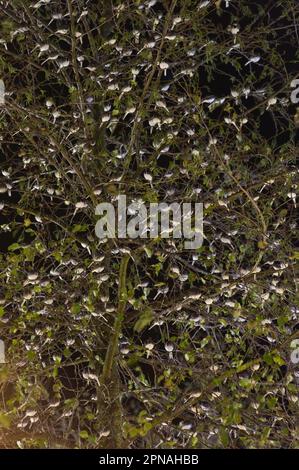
(140, 343)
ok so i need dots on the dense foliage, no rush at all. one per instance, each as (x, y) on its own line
(141, 343)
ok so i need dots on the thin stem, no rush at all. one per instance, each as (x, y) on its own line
(122, 301)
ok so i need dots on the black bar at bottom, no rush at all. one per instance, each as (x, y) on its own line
(137, 458)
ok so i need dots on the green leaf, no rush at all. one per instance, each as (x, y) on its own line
(145, 319)
(79, 228)
(14, 247)
(75, 309)
(148, 251)
(224, 437)
(278, 360)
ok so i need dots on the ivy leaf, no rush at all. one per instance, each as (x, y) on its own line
(75, 309)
